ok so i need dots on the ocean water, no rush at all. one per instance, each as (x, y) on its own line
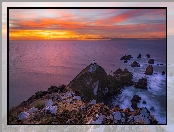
(36, 65)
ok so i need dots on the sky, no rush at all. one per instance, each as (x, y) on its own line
(53, 24)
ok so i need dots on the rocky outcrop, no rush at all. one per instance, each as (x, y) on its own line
(77, 103)
(142, 83)
(148, 56)
(126, 57)
(151, 61)
(135, 64)
(94, 83)
(136, 99)
(117, 72)
(149, 70)
(163, 73)
(139, 56)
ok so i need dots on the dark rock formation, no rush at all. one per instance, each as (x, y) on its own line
(163, 72)
(148, 56)
(144, 102)
(136, 99)
(139, 56)
(126, 57)
(135, 64)
(117, 72)
(125, 61)
(142, 83)
(151, 61)
(149, 70)
(152, 109)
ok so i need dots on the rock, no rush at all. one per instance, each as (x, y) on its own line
(148, 56)
(152, 108)
(49, 103)
(125, 61)
(139, 56)
(144, 102)
(51, 109)
(151, 61)
(125, 78)
(126, 57)
(136, 99)
(135, 64)
(117, 72)
(93, 102)
(31, 110)
(134, 105)
(163, 72)
(142, 116)
(142, 83)
(149, 70)
(23, 116)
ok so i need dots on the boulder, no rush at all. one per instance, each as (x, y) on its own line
(125, 61)
(126, 57)
(148, 56)
(151, 61)
(144, 102)
(135, 64)
(152, 109)
(142, 83)
(23, 116)
(149, 70)
(134, 105)
(136, 99)
(139, 56)
(163, 72)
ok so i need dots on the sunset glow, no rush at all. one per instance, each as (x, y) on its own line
(82, 24)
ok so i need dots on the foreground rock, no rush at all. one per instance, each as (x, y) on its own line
(149, 70)
(151, 61)
(135, 64)
(142, 83)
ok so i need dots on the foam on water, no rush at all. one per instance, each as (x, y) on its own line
(156, 89)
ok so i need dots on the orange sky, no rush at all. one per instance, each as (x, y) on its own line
(68, 24)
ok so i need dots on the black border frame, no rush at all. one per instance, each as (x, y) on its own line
(8, 8)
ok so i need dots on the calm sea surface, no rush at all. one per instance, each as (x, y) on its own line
(36, 65)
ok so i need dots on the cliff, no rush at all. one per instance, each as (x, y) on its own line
(80, 102)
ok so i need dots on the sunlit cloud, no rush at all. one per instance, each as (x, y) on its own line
(87, 22)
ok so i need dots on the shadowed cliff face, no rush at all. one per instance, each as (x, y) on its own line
(94, 83)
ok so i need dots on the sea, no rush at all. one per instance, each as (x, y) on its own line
(37, 65)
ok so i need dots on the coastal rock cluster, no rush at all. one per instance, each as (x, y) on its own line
(81, 101)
